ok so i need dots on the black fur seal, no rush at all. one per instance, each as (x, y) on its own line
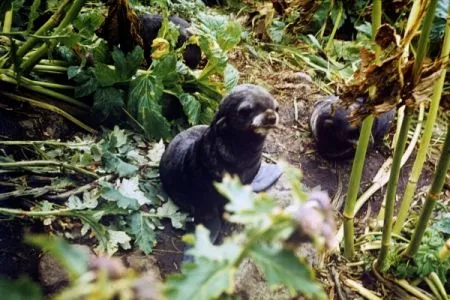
(336, 138)
(233, 143)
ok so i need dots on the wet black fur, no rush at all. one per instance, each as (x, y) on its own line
(202, 154)
(333, 132)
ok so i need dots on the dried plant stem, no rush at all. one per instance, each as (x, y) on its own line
(51, 108)
(432, 196)
(20, 212)
(46, 163)
(412, 289)
(425, 141)
(80, 189)
(360, 156)
(366, 293)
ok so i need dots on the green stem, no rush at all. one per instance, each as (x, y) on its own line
(355, 179)
(43, 49)
(49, 143)
(376, 23)
(335, 27)
(54, 19)
(360, 156)
(426, 138)
(46, 163)
(19, 212)
(42, 90)
(423, 40)
(392, 190)
(432, 196)
(50, 108)
(438, 284)
(7, 21)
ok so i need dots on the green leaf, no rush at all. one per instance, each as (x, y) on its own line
(143, 231)
(118, 137)
(87, 22)
(122, 201)
(201, 281)
(231, 77)
(170, 210)
(230, 37)
(20, 289)
(147, 89)
(105, 75)
(145, 93)
(130, 189)
(112, 163)
(74, 259)
(282, 267)
(204, 248)
(108, 101)
(276, 31)
(206, 116)
(33, 14)
(116, 239)
(191, 107)
(90, 201)
(165, 69)
(127, 65)
(443, 225)
(100, 51)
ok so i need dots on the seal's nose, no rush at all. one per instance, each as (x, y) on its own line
(270, 117)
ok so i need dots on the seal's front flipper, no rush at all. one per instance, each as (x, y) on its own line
(267, 175)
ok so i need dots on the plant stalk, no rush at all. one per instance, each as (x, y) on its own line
(444, 253)
(360, 156)
(426, 138)
(335, 27)
(54, 19)
(392, 191)
(381, 263)
(33, 59)
(8, 21)
(432, 197)
(46, 163)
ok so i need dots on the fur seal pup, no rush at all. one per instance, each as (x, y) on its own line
(150, 25)
(232, 143)
(336, 138)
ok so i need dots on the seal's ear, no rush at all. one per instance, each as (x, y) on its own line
(221, 123)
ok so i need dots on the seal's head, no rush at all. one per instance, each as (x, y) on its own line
(248, 108)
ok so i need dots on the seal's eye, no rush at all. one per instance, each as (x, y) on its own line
(277, 108)
(244, 111)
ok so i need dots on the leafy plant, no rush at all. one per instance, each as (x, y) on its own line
(125, 188)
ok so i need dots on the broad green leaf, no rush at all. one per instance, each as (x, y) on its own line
(231, 77)
(143, 231)
(156, 151)
(105, 75)
(240, 197)
(89, 201)
(74, 259)
(87, 22)
(112, 163)
(33, 14)
(108, 101)
(165, 69)
(282, 267)
(100, 51)
(201, 281)
(145, 93)
(147, 89)
(20, 289)
(206, 116)
(276, 30)
(127, 65)
(170, 210)
(191, 107)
